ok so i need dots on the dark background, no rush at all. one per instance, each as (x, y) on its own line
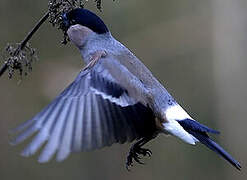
(196, 48)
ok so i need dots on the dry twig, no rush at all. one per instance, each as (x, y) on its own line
(20, 56)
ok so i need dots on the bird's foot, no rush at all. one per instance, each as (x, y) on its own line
(134, 154)
(95, 57)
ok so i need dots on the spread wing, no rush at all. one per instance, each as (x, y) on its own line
(93, 112)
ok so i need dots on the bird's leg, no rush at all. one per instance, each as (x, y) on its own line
(95, 57)
(136, 150)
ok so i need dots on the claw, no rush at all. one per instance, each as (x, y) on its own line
(128, 166)
(149, 153)
(137, 159)
(129, 162)
(145, 152)
(135, 153)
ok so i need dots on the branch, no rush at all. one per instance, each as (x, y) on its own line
(36, 27)
(21, 55)
(14, 61)
(3, 68)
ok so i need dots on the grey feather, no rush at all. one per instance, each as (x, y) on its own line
(83, 118)
(65, 146)
(54, 140)
(79, 124)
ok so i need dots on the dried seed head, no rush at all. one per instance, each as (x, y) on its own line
(21, 56)
(57, 8)
(98, 4)
(20, 60)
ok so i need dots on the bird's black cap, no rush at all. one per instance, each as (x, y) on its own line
(85, 18)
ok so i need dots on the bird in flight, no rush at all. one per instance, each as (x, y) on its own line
(114, 99)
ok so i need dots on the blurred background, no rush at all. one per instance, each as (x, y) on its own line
(196, 48)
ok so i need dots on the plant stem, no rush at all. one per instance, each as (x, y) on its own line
(36, 27)
(23, 43)
(3, 68)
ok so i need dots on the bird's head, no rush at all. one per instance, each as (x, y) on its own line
(81, 23)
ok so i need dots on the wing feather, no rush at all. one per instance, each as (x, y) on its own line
(56, 132)
(98, 125)
(79, 123)
(93, 112)
(106, 123)
(65, 147)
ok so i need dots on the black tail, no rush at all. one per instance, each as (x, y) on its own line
(199, 131)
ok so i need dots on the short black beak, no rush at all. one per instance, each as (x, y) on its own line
(65, 22)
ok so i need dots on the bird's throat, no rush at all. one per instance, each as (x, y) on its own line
(79, 34)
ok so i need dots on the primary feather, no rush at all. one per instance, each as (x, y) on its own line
(93, 112)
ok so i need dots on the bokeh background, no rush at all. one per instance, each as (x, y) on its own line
(196, 48)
